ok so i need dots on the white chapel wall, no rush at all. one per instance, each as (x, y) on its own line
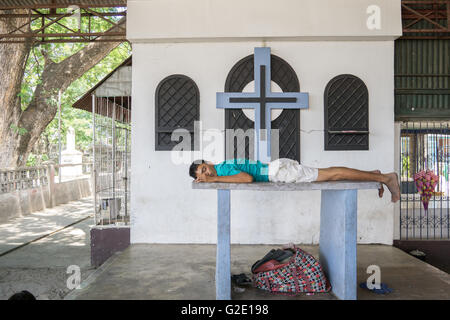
(164, 208)
(203, 39)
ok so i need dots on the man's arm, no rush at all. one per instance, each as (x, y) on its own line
(241, 177)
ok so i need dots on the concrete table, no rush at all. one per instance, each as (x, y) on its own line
(338, 224)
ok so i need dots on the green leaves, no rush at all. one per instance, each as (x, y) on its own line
(80, 120)
(18, 130)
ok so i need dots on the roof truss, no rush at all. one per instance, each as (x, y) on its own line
(426, 19)
(41, 18)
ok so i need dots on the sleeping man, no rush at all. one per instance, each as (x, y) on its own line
(288, 171)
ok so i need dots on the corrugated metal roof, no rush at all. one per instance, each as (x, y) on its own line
(6, 4)
(85, 102)
(422, 79)
(422, 66)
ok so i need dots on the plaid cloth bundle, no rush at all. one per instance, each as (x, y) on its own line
(301, 273)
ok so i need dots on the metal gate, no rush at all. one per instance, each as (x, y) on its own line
(424, 145)
(111, 119)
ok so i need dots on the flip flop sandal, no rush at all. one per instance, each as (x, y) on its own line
(271, 255)
(283, 255)
(266, 266)
(384, 289)
(274, 254)
(266, 258)
(241, 279)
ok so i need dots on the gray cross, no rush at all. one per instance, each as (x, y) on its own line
(262, 101)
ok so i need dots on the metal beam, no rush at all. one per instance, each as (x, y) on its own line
(67, 34)
(56, 15)
(426, 19)
(106, 4)
(43, 33)
(66, 41)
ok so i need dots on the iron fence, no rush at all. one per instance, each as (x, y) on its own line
(424, 146)
(23, 178)
(112, 156)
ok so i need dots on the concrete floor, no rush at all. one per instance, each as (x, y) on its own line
(41, 266)
(158, 271)
(20, 230)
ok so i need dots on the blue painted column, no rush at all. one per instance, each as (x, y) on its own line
(337, 248)
(223, 251)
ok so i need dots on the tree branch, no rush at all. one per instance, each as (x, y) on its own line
(58, 77)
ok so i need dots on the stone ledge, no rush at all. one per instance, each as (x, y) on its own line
(303, 186)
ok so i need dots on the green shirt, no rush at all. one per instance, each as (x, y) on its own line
(259, 171)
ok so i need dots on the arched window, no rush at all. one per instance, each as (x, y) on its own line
(177, 106)
(287, 122)
(346, 103)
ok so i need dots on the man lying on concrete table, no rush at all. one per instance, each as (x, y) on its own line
(288, 171)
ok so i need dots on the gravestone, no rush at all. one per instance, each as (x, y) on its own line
(71, 156)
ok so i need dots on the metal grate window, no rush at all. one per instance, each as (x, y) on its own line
(346, 102)
(424, 145)
(177, 106)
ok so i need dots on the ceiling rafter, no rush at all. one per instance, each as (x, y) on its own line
(43, 15)
(53, 4)
(426, 19)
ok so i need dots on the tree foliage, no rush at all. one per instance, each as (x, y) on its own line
(72, 68)
(80, 120)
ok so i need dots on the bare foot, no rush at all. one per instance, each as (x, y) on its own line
(381, 189)
(393, 186)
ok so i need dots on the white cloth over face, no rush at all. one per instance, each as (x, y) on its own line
(290, 171)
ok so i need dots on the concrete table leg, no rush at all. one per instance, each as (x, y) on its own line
(337, 247)
(223, 253)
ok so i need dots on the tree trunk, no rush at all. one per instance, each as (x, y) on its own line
(15, 146)
(12, 66)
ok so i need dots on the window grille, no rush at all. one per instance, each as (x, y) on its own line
(346, 102)
(177, 106)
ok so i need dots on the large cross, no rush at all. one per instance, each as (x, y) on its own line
(263, 100)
